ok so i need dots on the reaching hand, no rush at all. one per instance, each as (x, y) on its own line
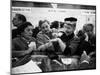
(85, 57)
(86, 39)
(32, 45)
(54, 40)
(45, 46)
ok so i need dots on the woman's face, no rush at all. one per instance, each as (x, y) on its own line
(28, 32)
(45, 27)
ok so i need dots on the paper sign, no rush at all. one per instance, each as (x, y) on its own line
(30, 67)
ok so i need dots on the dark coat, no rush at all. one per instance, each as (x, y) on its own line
(71, 42)
(19, 46)
(89, 46)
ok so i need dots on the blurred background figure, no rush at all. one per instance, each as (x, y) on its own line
(87, 47)
(87, 39)
(36, 30)
(17, 21)
(23, 45)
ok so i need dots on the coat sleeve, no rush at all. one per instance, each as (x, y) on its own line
(40, 40)
(16, 52)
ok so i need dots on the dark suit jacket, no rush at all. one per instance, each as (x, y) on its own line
(71, 42)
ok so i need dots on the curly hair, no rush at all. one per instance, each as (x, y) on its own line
(43, 21)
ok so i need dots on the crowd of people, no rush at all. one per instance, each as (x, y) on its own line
(52, 39)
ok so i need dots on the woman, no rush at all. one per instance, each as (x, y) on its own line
(44, 36)
(46, 43)
(23, 45)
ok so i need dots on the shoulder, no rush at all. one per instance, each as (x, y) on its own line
(14, 30)
(16, 40)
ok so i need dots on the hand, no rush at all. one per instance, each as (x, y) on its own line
(86, 39)
(45, 46)
(54, 40)
(84, 56)
(42, 47)
(55, 35)
(32, 46)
